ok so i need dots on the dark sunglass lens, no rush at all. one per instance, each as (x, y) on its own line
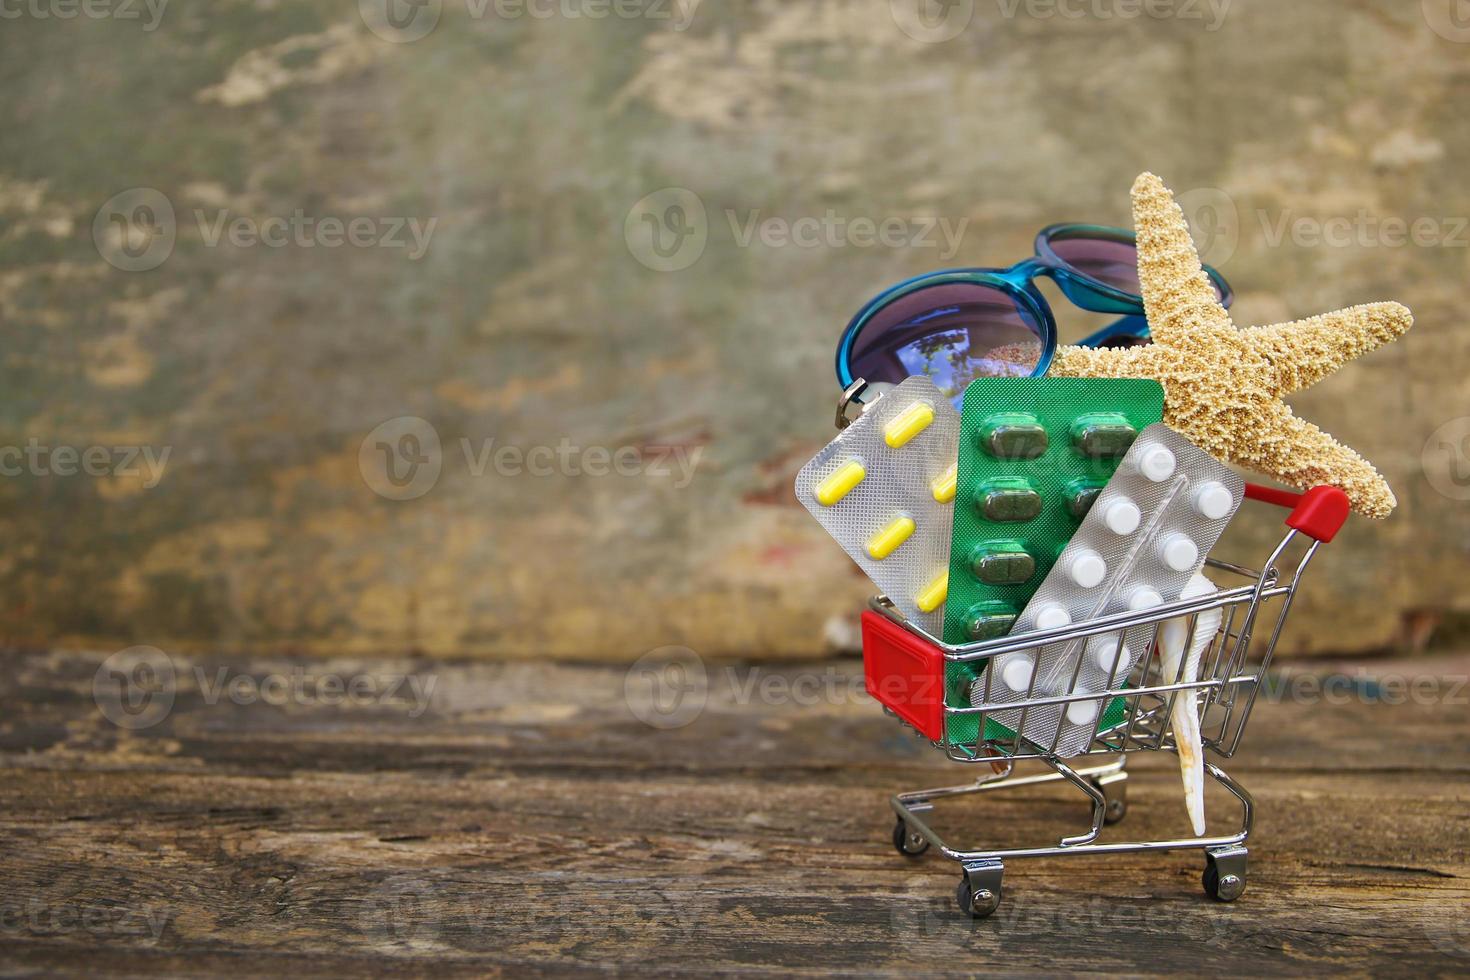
(952, 332)
(1126, 341)
(1112, 262)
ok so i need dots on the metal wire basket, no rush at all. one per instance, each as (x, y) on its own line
(917, 676)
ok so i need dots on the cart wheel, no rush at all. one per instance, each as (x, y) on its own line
(1224, 884)
(909, 844)
(1116, 793)
(978, 903)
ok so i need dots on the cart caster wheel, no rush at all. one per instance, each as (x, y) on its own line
(1224, 877)
(978, 903)
(979, 894)
(1116, 793)
(909, 843)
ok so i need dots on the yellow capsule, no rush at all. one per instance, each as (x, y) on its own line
(943, 486)
(934, 594)
(907, 424)
(886, 541)
(840, 483)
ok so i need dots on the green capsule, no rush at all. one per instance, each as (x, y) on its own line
(1008, 501)
(1013, 435)
(989, 621)
(962, 680)
(1081, 495)
(1002, 563)
(1103, 435)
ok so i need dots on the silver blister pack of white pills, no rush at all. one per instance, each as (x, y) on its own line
(1144, 539)
(884, 489)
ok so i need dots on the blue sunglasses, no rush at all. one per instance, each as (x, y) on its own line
(960, 324)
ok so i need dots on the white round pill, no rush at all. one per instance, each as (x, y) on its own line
(1179, 552)
(1052, 616)
(1016, 673)
(1212, 500)
(1156, 462)
(1103, 652)
(1082, 712)
(1144, 597)
(1122, 516)
(1087, 568)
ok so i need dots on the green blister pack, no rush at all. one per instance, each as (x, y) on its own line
(1034, 455)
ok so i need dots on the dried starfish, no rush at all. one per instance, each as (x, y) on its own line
(1223, 386)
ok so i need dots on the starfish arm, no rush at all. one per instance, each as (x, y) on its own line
(1177, 295)
(1306, 351)
(1301, 455)
(1097, 362)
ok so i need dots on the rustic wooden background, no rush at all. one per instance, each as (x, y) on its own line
(537, 316)
(526, 818)
(508, 807)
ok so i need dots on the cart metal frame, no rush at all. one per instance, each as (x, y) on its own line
(1253, 609)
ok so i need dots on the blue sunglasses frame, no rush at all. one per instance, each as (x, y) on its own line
(1019, 283)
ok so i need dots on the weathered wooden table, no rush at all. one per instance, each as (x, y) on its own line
(510, 818)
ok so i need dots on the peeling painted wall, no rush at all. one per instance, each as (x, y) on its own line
(538, 313)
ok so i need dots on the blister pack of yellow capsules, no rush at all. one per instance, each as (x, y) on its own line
(884, 489)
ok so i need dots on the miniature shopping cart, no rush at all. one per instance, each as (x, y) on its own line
(908, 670)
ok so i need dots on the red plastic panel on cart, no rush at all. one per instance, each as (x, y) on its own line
(905, 673)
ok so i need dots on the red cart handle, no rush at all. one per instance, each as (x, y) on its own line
(1319, 513)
